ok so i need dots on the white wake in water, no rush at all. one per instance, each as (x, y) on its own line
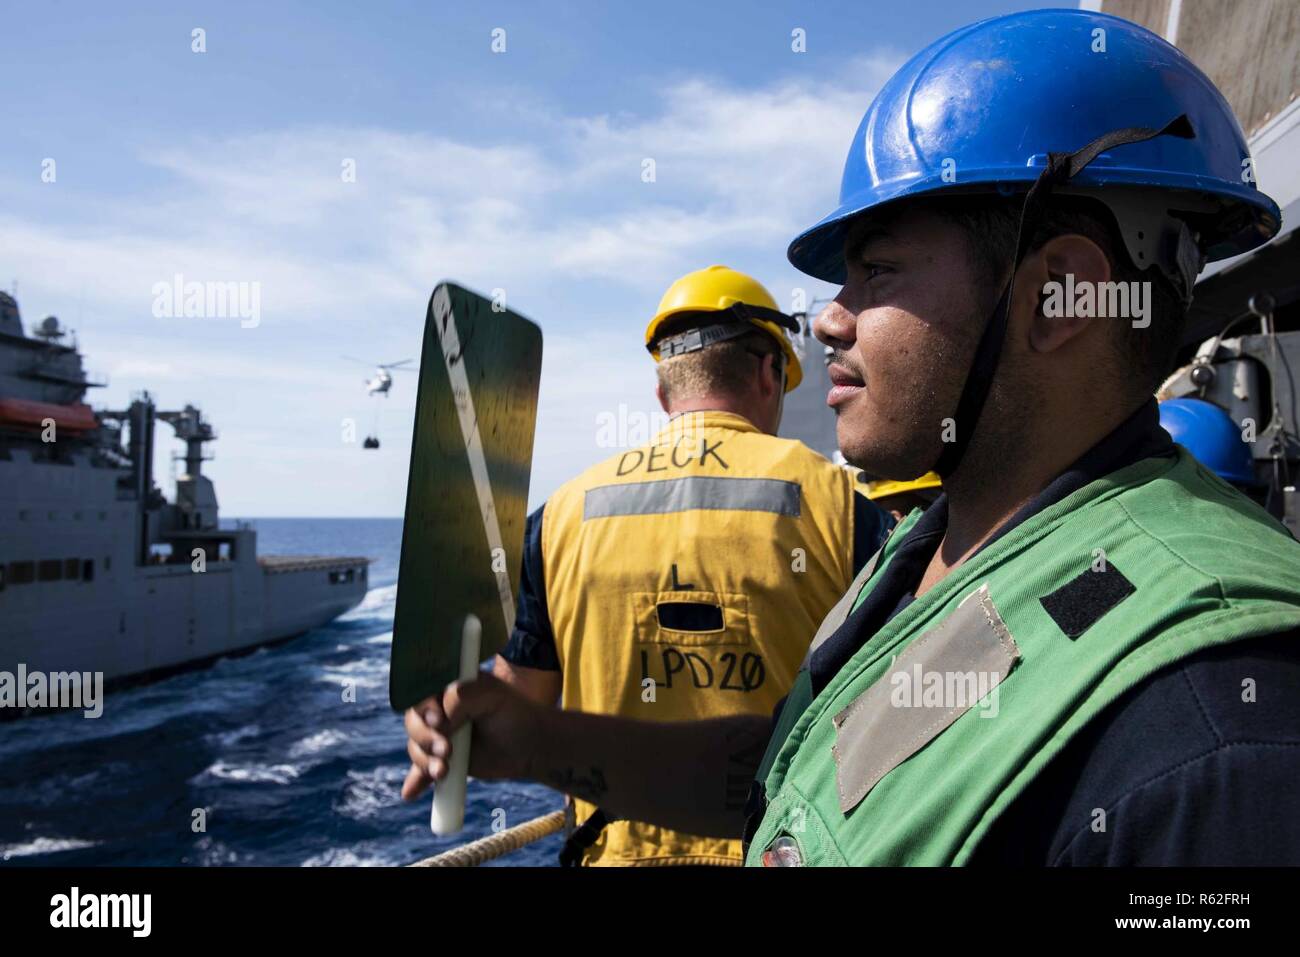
(376, 600)
(44, 845)
(255, 773)
(315, 743)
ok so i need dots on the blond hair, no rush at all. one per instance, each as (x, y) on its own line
(726, 368)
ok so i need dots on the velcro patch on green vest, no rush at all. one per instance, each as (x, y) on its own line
(1081, 602)
(938, 678)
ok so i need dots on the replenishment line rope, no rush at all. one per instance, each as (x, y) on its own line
(494, 845)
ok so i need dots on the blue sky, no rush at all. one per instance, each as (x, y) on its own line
(518, 170)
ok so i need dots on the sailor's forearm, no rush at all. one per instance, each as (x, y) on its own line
(691, 776)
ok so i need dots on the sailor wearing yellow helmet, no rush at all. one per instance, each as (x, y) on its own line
(900, 498)
(683, 579)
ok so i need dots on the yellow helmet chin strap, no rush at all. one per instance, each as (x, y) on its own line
(699, 337)
(779, 356)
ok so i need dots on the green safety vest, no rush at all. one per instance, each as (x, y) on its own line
(945, 715)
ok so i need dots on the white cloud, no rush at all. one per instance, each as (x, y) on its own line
(559, 216)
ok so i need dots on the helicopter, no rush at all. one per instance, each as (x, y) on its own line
(380, 386)
(383, 380)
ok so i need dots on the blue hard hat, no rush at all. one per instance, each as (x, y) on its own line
(1211, 436)
(982, 107)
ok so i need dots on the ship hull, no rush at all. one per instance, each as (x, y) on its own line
(165, 618)
(75, 596)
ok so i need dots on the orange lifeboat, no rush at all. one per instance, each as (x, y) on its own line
(26, 414)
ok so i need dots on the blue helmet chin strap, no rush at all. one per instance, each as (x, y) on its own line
(1061, 167)
(780, 386)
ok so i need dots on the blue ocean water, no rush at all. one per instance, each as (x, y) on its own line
(286, 770)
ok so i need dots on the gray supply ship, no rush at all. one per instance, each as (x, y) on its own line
(98, 571)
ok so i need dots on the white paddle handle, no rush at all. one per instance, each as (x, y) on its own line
(448, 814)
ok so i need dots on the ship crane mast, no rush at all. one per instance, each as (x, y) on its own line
(196, 499)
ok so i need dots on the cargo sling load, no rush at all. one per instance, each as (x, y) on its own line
(98, 571)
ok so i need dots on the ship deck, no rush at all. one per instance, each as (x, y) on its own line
(279, 564)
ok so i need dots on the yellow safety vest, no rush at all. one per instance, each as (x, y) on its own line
(685, 580)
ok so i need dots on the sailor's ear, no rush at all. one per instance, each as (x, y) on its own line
(1061, 264)
(659, 394)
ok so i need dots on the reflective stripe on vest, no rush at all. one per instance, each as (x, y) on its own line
(688, 494)
(684, 580)
(886, 788)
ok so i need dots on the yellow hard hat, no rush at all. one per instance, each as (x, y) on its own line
(885, 488)
(719, 289)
